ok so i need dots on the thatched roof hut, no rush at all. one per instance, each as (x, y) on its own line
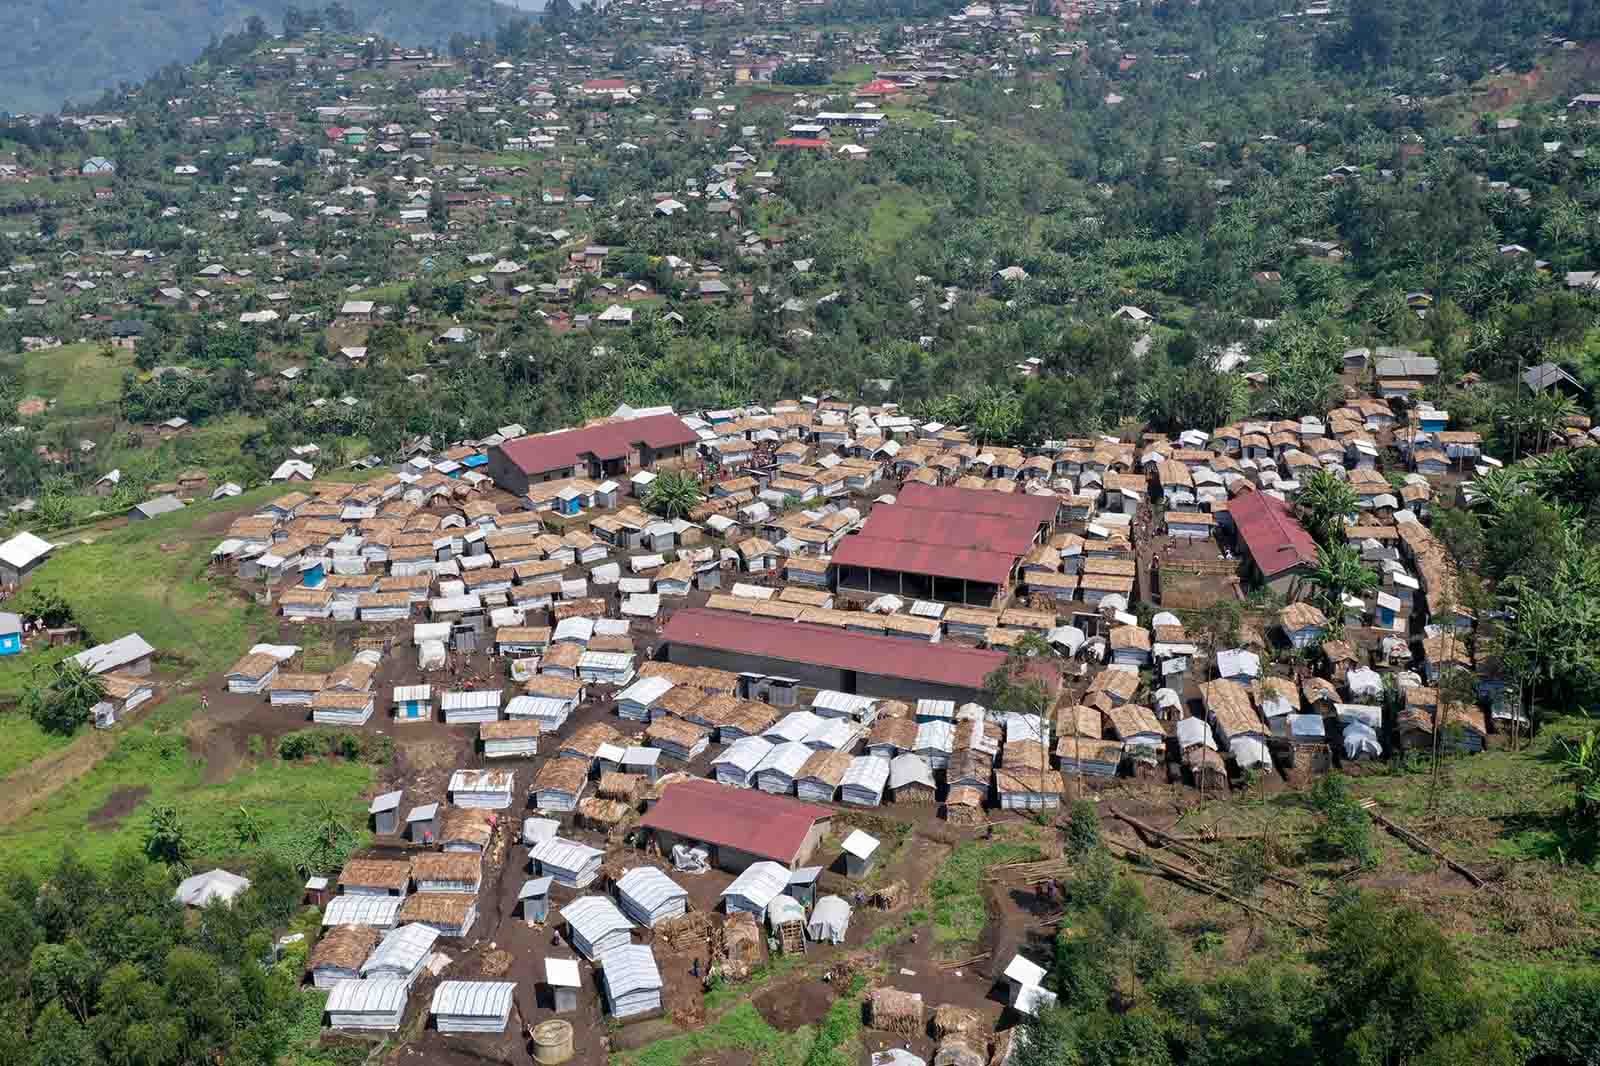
(958, 1052)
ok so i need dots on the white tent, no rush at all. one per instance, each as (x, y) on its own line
(201, 889)
(830, 920)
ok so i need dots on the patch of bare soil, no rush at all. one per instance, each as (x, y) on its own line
(118, 806)
(792, 1005)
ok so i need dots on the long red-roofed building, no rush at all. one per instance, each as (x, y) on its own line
(821, 657)
(954, 545)
(1277, 545)
(738, 826)
(610, 449)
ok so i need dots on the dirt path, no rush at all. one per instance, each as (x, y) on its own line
(35, 783)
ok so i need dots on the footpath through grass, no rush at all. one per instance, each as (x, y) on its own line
(150, 578)
(959, 914)
(151, 765)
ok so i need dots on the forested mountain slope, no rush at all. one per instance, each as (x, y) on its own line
(74, 49)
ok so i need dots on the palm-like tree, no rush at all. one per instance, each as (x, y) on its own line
(1549, 412)
(1493, 490)
(673, 494)
(1323, 503)
(1340, 573)
(246, 826)
(165, 838)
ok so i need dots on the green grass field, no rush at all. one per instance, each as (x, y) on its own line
(150, 578)
(285, 798)
(81, 378)
(896, 213)
(741, 1028)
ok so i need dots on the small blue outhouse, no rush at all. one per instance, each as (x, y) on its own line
(413, 703)
(10, 634)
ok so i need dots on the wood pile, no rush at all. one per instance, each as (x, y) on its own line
(690, 932)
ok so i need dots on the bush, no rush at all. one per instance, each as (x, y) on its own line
(318, 743)
(1346, 828)
(1083, 829)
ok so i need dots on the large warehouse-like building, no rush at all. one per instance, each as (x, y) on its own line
(954, 545)
(737, 826)
(607, 450)
(822, 657)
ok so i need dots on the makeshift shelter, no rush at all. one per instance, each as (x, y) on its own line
(473, 1006)
(482, 789)
(755, 888)
(648, 896)
(203, 889)
(450, 914)
(571, 864)
(595, 926)
(560, 784)
(400, 954)
(339, 954)
(471, 706)
(367, 1005)
(632, 980)
(864, 781)
(447, 871)
(911, 779)
(380, 912)
(830, 920)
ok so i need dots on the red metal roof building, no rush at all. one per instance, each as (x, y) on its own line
(956, 545)
(811, 143)
(824, 657)
(610, 449)
(741, 825)
(1277, 545)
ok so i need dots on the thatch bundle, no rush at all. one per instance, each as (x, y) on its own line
(950, 1020)
(623, 787)
(894, 709)
(957, 1052)
(741, 940)
(604, 815)
(964, 806)
(897, 1012)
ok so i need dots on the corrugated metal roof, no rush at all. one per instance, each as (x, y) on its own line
(386, 802)
(801, 642)
(479, 999)
(631, 968)
(563, 973)
(860, 844)
(592, 917)
(368, 997)
(402, 948)
(746, 753)
(786, 759)
(470, 699)
(773, 827)
(564, 854)
(361, 910)
(870, 772)
(648, 887)
(409, 693)
(759, 883)
(843, 702)
(910, 768)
